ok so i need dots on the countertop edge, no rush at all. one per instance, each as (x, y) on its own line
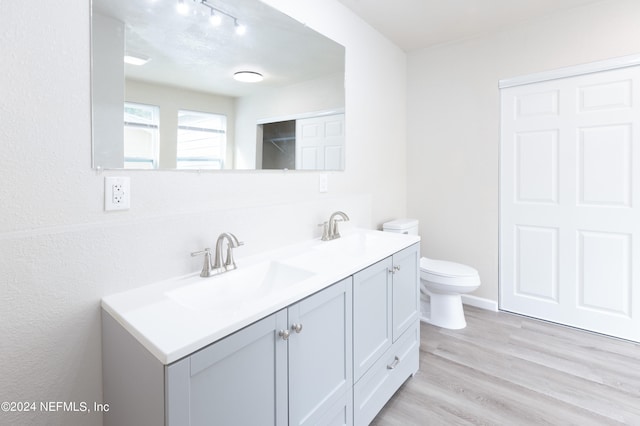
(171, 355)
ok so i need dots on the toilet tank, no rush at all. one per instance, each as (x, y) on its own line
(402, 226)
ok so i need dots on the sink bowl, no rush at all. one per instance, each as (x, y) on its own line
(327, 255)
(238, 288)
(351, 244)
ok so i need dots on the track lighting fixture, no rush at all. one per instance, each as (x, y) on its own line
(215, 16)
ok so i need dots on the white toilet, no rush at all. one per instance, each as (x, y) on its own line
(442, 281)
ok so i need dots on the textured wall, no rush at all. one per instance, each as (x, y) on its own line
(454, 126)
(60, 252)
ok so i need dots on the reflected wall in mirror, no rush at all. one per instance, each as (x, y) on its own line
(181, 108)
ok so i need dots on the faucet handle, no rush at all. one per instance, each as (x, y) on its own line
(198, 253)
(325, 231)
(206, 266)
(230, 263)
(335, 232)
(233, 241)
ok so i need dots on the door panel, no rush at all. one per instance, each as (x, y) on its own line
(604, 258)
(570, 188)
(536, 263)
(320, 143)
(537, 166)
(604, 165)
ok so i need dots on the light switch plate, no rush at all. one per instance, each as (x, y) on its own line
(117, 193)
(323, 183)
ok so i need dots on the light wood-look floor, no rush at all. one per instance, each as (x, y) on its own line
(505, 369)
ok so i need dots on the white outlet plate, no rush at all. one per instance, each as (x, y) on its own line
(117, 193)
(323, 183)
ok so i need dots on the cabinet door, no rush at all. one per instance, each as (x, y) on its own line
(320, 363)
(406, 289)
(341, 414)
(371, 315)
(240, 380)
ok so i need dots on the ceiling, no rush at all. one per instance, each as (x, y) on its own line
(187, 52)
(417, 24)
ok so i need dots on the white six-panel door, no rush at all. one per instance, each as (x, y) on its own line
(320, 143)
(569, 197)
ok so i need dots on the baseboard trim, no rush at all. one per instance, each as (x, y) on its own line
(480, 302)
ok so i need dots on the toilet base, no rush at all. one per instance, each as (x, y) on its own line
(446, 311)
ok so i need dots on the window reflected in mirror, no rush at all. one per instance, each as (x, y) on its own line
(141, 136)
(202, 140)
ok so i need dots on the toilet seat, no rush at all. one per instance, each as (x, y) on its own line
(448, 273)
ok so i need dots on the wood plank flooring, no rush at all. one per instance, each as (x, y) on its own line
(504, 369)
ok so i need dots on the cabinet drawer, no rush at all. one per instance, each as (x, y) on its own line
(384, 378)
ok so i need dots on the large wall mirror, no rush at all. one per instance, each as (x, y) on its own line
(165, 93)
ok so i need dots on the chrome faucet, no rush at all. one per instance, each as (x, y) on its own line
(232, 242)
(331, 231)
(218, 265)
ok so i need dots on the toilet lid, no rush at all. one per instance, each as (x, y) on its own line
(445, 268)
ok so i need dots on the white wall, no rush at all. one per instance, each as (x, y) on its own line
(453, 121)
(60, 252)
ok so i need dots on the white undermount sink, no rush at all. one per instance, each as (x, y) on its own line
(350, 244)
(238, 288)
(327, 255)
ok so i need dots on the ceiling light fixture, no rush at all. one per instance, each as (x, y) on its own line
(215, 17)
(240, 29)
(248, 76)
(182, 7)
(135, 59)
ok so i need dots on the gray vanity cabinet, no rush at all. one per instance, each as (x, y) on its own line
(333, 358)
(386, 330)
(240, 380)
(293, 367)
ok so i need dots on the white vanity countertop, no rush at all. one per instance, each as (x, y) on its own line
(176, 317)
